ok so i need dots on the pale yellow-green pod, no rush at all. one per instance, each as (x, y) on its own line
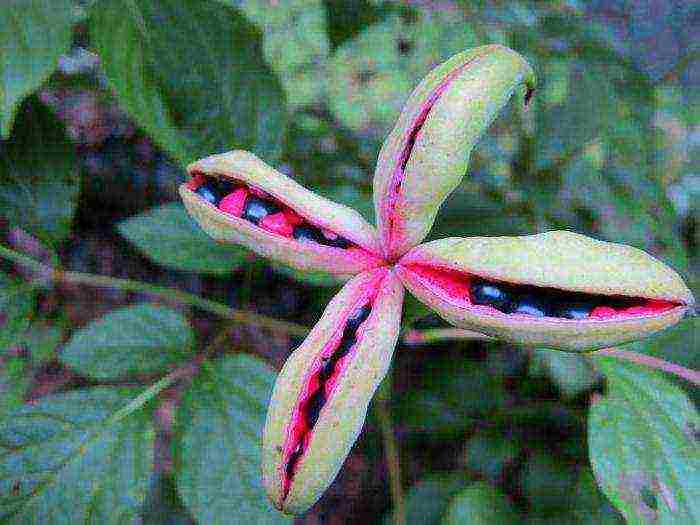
(345, 357)
(426, 154)
(559, 289)
(241, 168)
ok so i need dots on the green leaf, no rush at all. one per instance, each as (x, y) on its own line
(489, 453)
(346, 18)
(13, 384)
(192, 75)
(351, 196)
(38, 174)
(470, 209)
(480, 504)
(427, 500)
(674, 344)
(16, 305)
(628, 205)
(69, 459)
(372, 75)
(451, 394)
(138, 339)
(41, 340)
(590, 506)
(33, 35)
(167, 235)
(644, 447)
(571, 373)
(295, 43)
(548, 484)
(414, 310)
(217, 445)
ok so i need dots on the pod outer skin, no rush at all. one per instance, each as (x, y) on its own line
(558, 259)
(341, 419)
(481, 81)
(324, 213)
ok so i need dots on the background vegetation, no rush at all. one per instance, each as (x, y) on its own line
(137, 356)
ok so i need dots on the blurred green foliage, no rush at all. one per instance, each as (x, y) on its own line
(609, 147)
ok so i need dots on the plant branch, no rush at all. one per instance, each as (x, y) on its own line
(152, 391)
(129, 285)
(654, 362)
(391, 449)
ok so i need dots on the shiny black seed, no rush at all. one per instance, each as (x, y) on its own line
(338, 242)
(574, 309)
(490, 294)
(225, 186)
(357, 318)
(345, 346)
(314, 406)
(293, 460)
(209, 193)
(530, 305)
(327, 369)
(620, 303)
(308, 233)
(257, 209)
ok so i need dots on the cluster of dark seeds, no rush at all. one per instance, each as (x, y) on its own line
(256, 209)
(540, 302)
(306, 232)
(293, 460)
(315, 403)
(214, 190)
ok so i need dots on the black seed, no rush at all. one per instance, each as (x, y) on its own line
(345, 346)
(314, 406)
(257, 209)
(338, 242)
(293, 460)
(573, 309)
(357, 318)
(620, 303)
(490, 294)
(530, 305)
(308, 233)
(209, 193)
(327, 369)
(225, 187)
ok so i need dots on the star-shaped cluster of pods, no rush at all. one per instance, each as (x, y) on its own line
(557, 289)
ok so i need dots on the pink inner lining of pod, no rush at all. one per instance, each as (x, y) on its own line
(453, 286)
(298, 432)
(284, 221)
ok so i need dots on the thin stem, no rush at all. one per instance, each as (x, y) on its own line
(148, 394)
(129, 285)
(653, 362)
(391, 450)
